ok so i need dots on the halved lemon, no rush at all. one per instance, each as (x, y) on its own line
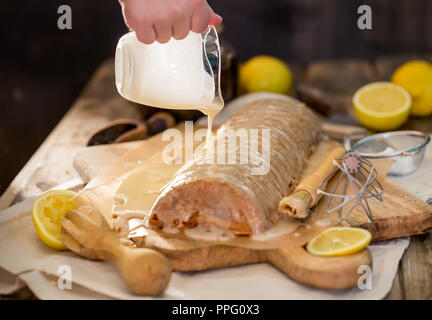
(339, 241)
(382, 105)
(47, 211)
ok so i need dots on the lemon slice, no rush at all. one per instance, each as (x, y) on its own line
(339, 241)
(382, 105)
(47, 211)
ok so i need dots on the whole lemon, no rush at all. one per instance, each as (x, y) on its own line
(265, 73)
(416, 77)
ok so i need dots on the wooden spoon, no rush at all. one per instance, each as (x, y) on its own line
(87, 233)
(117, 131)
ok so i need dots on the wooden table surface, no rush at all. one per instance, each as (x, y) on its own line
(100, 103)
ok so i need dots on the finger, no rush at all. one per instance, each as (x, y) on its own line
(125, 15)
(200, 19)
(163, 32)
(146, 34)
(181, 29)
(215, 19)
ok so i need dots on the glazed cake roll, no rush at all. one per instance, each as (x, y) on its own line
(233, 196)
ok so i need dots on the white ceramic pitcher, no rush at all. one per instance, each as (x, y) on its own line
(180, 74)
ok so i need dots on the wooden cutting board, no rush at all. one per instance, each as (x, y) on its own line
(400, 215)
(319, 272)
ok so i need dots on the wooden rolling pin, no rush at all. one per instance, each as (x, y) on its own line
(87, 233)
(305, 195)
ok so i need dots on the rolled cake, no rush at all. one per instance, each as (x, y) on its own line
(229, 196)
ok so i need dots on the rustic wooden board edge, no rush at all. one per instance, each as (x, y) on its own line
(421, 224)
(97, 104)
(30, 167)
(295, 262)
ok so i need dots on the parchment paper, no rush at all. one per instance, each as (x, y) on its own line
(26, 260)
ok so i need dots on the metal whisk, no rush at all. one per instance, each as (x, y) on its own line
(361, 176)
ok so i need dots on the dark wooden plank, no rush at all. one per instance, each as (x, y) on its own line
(298, 72)
(340, 76)
(420, 124)
(399, 26)
(385, 66)
(397, 292)
(340, 79)
(415, 281)
(51, 165)
(416, 267)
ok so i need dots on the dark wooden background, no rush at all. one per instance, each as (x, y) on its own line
(43, 69)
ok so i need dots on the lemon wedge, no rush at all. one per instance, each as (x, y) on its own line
(47, 211)
(339, 241)
(382, 105)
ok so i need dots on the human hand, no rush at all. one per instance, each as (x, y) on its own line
(159, 20)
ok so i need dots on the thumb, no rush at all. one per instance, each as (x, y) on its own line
(215, 19)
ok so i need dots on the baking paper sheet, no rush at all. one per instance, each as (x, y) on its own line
(24, 255)
(25, 259)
